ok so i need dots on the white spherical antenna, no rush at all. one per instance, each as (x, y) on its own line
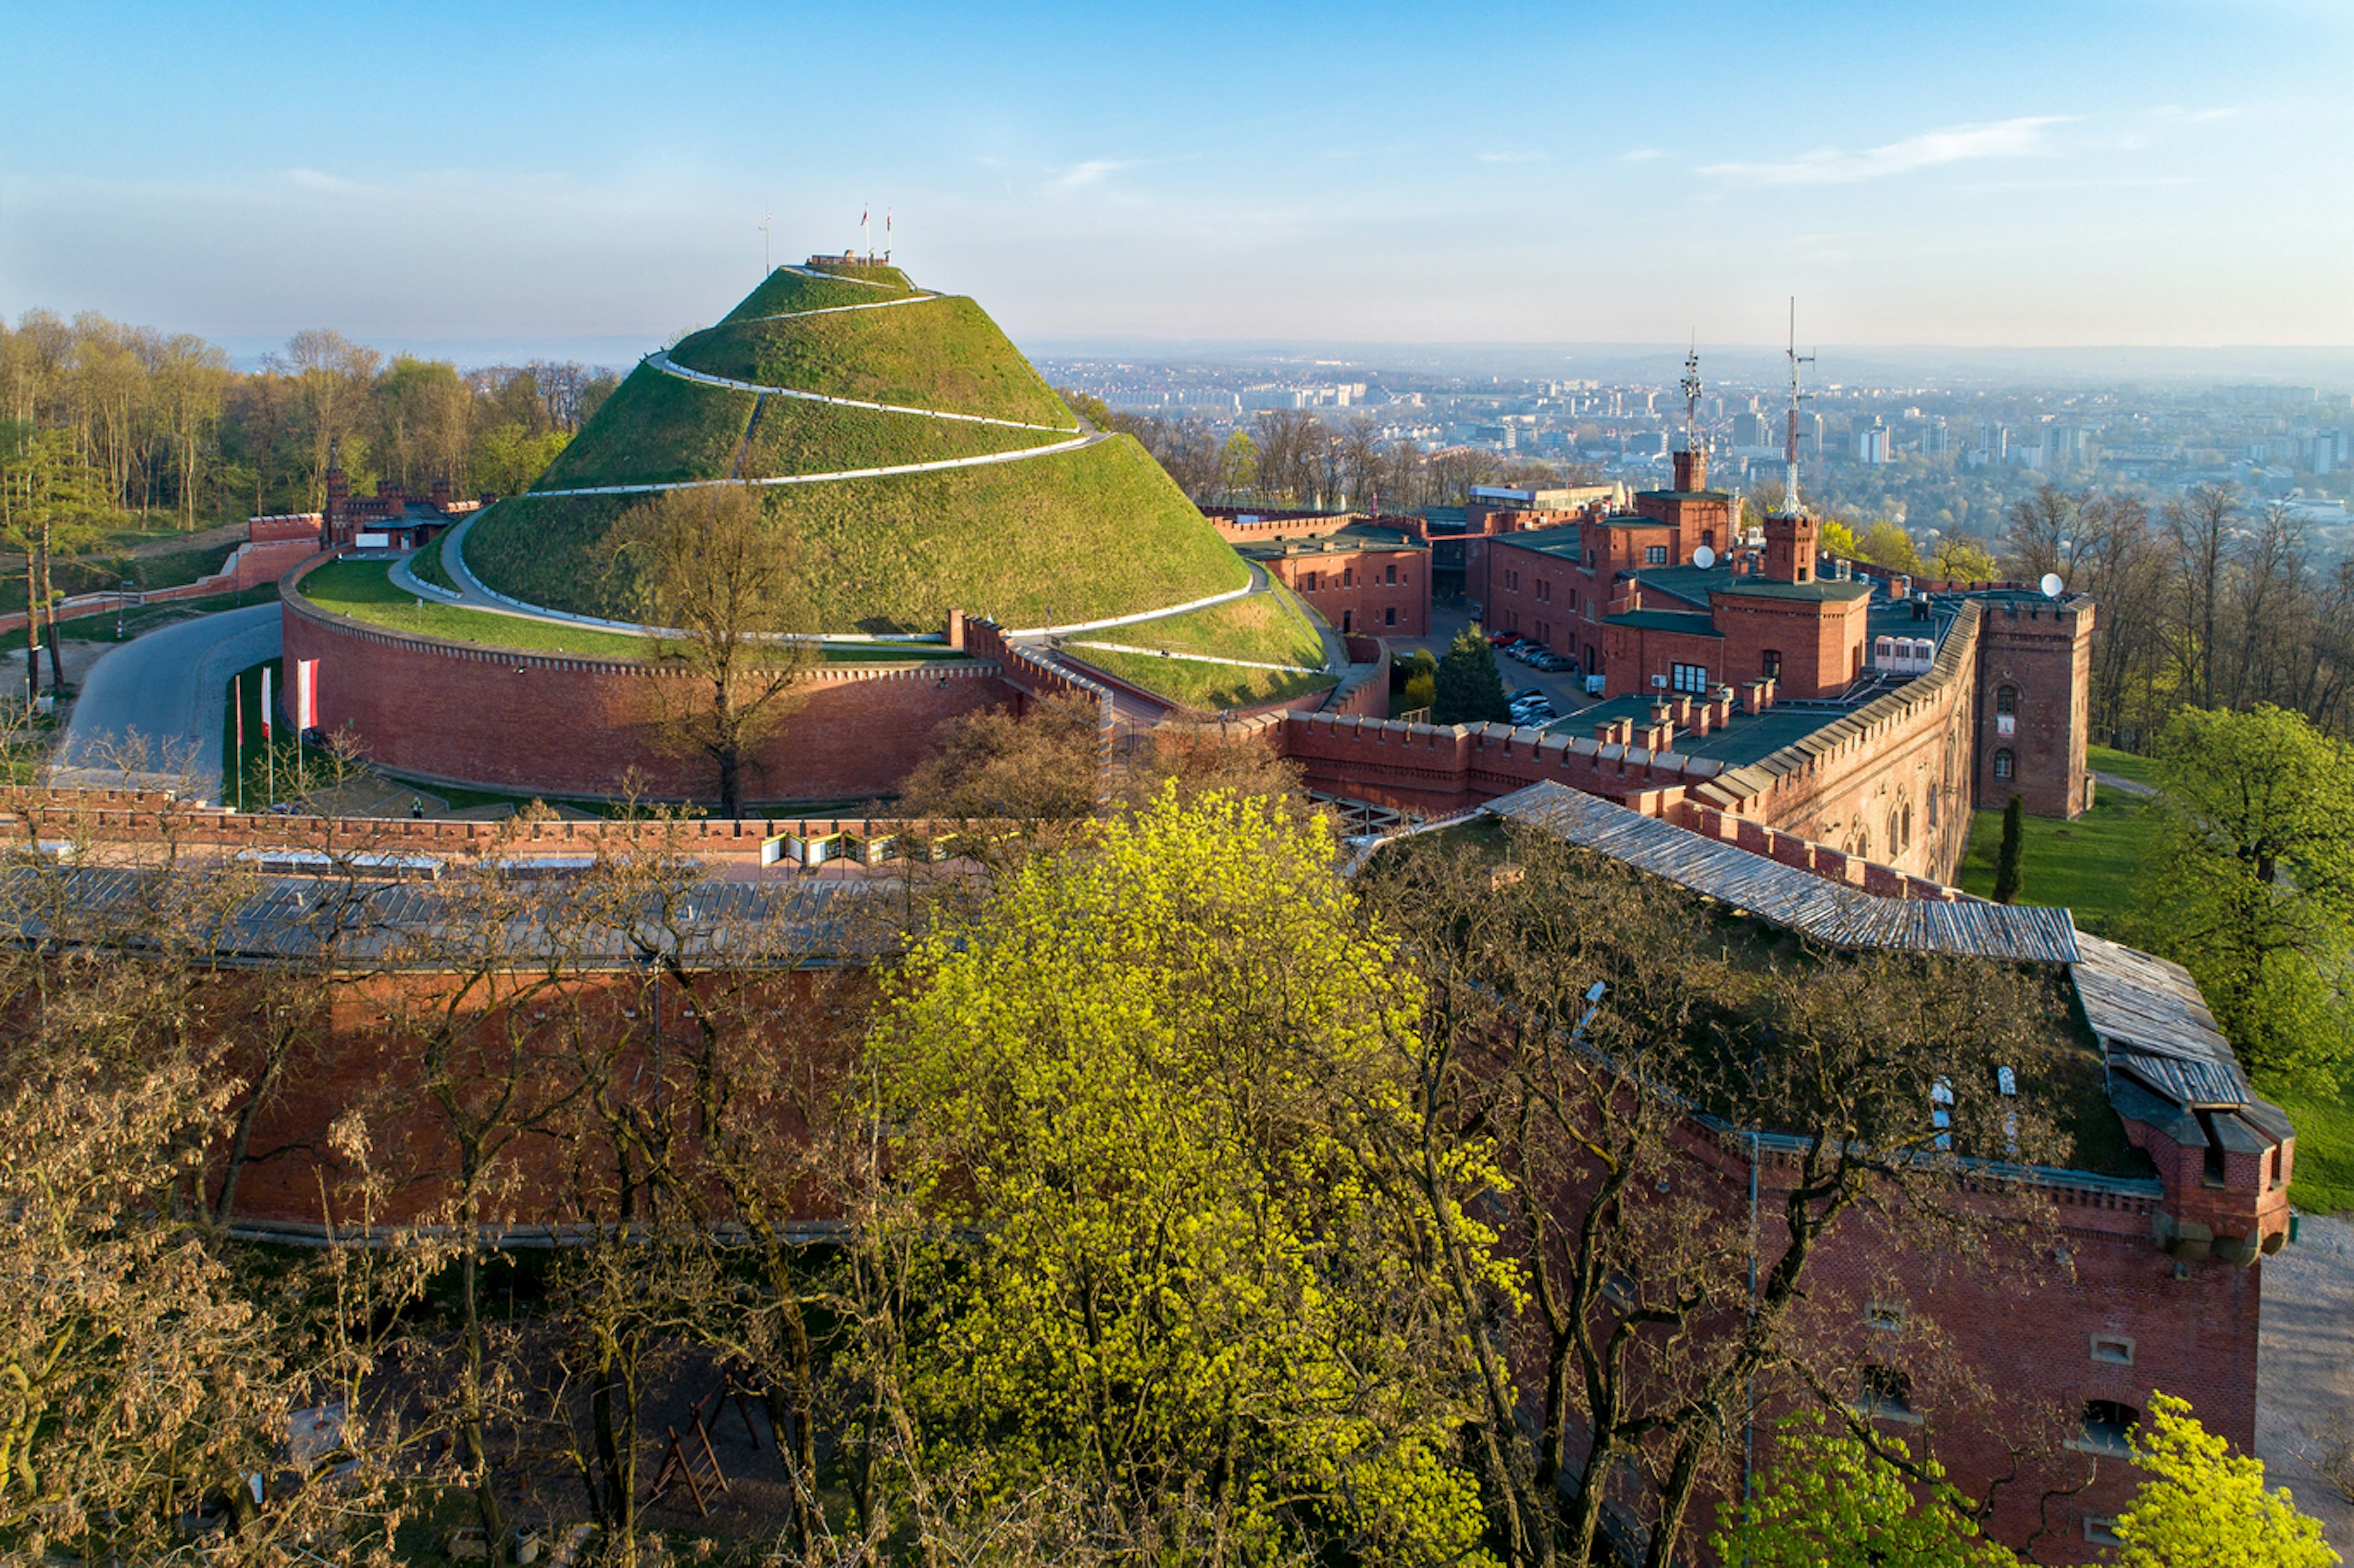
(1704, 557)
(2051, 584)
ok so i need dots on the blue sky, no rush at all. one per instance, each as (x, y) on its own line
(2138, 172)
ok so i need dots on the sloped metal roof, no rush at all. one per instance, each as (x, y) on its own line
(1799, 900)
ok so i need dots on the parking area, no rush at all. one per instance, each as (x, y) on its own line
(1566, 692)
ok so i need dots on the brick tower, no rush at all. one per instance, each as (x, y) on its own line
(1790, 548)
(2035, 682)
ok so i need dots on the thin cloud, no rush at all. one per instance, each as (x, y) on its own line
(1080, 175)
(1642, 155)
(2019, 138)
(2195, 116)
(1511, 157)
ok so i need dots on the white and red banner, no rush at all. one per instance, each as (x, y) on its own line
(306, 694)
(265, 702)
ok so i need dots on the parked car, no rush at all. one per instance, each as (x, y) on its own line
(1502, 638)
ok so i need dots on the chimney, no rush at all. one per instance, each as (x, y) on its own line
(1682, 708)
(1900, 587)
(441, 496)
(1692, 469)
(955, 630)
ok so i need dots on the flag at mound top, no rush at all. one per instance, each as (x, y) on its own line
(921, 461)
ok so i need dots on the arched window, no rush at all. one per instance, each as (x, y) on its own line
(2006, 699)
(2002, 765)
(2108, 1426)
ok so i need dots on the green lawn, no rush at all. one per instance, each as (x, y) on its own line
(1268, 628)
(2087, 865)
(945, 354)
(782, 292)
(98, 573)
(797, 437)
(364, 590)
(2323, 1181)
(425, 563)
(1196, 684)
(1090, 534)
(2123, 764)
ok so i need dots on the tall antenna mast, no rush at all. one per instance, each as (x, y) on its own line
(1790, 452)
(766, 266)
(1691, 396)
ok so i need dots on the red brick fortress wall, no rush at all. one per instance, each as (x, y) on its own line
(499, 719)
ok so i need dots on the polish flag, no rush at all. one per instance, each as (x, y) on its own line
(237, 701)
(265, 702)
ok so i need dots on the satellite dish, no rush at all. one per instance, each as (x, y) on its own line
(2051, 584)
(1704, 557)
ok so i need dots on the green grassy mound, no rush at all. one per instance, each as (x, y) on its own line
(364, 590)
(782, 292)
(1207, 687)
(871, 272)
(1273, 628)
(797, 437)
(653, 429)
(945, 354)
(1086, 534)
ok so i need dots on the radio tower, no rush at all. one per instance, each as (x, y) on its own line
(1692, 399)
(1791, 451)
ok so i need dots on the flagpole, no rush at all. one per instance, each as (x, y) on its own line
(236, 701)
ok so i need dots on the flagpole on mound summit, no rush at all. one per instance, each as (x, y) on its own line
(237, 701)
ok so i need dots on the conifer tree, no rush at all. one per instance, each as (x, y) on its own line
(1468, 688)
(2006, 862)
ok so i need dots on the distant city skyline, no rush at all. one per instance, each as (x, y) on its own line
(2133, 173)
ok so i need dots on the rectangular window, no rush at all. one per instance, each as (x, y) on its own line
(1348, 576)
(1691, 678)
(1389, 616)
(1391, 574)
(2113, 1349)
(2101, 1531)
(1308, 582)
(1655, 555)
(1883, 1317)
(1773, 664)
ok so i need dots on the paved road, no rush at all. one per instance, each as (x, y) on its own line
(2124, 786)
(165, 689)
(2305, 1377)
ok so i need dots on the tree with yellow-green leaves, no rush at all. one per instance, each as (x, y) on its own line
(1150, 1129)
(1833, 1500)
(2201, 1506)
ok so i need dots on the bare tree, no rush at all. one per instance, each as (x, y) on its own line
(725, 582)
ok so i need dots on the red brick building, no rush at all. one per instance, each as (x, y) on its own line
(1361, 578)
(390, 519)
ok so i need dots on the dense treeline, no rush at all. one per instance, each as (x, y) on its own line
(1292, 457)
(2207, 601)
(165, 426)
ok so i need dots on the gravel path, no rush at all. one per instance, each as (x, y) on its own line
(2304, 1376)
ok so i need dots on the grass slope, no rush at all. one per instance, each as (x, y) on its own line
(1271, 628)
(890, 277)
(1196, 684)
(364, 590)
(782, 292)
(2123, 764)
(795, 437)
(1090, 534)
(2322, 1181)
(946, 354)
(653, 429)
(2088, 866)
